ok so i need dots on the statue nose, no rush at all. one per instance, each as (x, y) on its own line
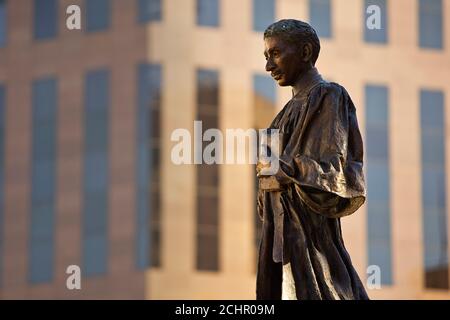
(270, 66)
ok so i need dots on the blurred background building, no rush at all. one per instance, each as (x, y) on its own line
(86, 118)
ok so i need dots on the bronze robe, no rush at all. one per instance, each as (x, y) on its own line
(321, 177)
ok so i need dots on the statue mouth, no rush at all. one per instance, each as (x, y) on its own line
(276, 76)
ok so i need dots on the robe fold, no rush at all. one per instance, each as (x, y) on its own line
(321, 180)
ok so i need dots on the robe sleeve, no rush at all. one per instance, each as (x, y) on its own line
(324, 157)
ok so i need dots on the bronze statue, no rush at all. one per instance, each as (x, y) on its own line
(320, 177)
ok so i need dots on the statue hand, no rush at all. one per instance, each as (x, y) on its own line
(261, 167)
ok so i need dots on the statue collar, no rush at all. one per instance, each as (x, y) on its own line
(309, 80)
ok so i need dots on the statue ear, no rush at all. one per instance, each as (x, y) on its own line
(307, 52)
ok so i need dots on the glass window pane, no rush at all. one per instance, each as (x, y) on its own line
(434, 206)
(433, 150)
(320, 17)
(207, 253)
(208, 13)
(376, 142)
(207, 175)
(2, 170)
(155, 252)
(44, 108)
(3, 23)
(264, 100)
(432, 103)
(41, 261)
(434, 179)
(96, 173)
(264, 87)
(43, 176)
(95, 255)
(208, 89)
(148, 119)
(376, 101)
(45, 19)
(207, 208)
(42, 221)
(96, 91)
(430, 24)
(263, 14)
(380, 255)
(149, 10)
(98, 14)
(95, 213)
(378, 181)
(264, 109)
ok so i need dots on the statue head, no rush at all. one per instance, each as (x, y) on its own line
(291, 48)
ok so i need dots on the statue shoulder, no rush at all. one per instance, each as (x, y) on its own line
(328, 91)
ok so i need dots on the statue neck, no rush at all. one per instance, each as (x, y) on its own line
(304, 81)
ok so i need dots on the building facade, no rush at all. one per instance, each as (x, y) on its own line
(87, 122)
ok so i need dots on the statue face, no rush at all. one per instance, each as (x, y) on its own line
(284, 61)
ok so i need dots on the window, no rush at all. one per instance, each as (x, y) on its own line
(378, 186)
(207, 175)
(45, 19)
(3, 23)
(148, 241)
(43, 185)
(263, 14)
(149, 10)
(95, 214)
(430, 24)
(434, 206)
(2, 172)
(320, 17)
(264, 88)
(264, 108)
(97, 15)
(375, 35)
(208, 13)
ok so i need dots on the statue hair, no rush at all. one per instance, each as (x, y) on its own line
(295, 32)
